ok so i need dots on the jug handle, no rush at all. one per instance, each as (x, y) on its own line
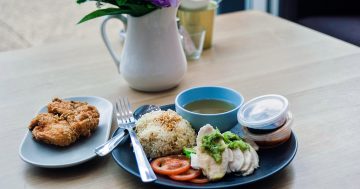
(105, 38)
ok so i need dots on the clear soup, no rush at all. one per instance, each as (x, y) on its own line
(209, 106)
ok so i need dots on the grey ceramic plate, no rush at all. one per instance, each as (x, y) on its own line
(45, 155)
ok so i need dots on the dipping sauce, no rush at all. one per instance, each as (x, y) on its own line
(274, 138)
(209, 106)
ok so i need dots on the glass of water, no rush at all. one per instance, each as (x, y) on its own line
(193, 38)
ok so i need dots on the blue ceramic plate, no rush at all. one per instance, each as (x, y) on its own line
(271, 161)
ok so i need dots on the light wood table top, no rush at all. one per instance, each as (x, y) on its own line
(253, 53)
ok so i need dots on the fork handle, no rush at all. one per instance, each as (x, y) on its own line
(106, 148)
(146, 172)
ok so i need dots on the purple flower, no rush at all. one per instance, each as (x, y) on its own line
(165, 3)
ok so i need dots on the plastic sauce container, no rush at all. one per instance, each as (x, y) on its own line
(266, 120)
(272, 139)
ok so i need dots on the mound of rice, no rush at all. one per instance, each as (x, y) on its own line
(164, 133)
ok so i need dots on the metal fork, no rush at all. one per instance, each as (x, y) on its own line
(126, 121)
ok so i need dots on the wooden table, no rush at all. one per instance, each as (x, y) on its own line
(253, 53)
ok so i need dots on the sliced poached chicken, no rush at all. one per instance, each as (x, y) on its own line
(237, 161)
(233, 160)
(254, 162)
(209, 167)
(247, 161)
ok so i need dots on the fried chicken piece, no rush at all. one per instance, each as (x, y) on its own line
(83, 117)
(65, 123)
(53, 129)
(83, 123)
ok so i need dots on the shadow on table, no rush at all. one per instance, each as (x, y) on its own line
(281, 179)
(60, 174)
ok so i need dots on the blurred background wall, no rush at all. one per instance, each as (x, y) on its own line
(25, 23)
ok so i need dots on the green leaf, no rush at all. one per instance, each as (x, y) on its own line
(132, 7)
(103, 12)
(81, 1)
(121, 2)
(112, 2)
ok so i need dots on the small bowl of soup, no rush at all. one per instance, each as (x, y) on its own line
(213, 105)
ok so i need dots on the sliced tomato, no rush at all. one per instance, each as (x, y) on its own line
(171, 165)
(200, 180)
(188, 175)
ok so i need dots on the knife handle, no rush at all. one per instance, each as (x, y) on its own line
(106, 148)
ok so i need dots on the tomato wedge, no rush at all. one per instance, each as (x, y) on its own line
(188, 175)
(200, 180)
(171, 165)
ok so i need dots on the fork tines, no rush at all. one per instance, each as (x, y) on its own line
(123, 110)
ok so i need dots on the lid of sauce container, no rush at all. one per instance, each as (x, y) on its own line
(264, 112)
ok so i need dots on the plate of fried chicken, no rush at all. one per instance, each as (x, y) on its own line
(66, 131)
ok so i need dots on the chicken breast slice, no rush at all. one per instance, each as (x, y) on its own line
(194, 161)
(209, 167)
(205, 130)
(231, 158)
(230, 155)
(237, 162)
(247, 161)
(254, 162)
(255, 157)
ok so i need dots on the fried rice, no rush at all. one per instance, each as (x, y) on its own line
(164, 133)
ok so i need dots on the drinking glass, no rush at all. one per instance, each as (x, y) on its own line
(200, 17)
(193, 38)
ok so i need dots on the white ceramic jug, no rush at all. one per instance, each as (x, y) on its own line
(152, 57)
